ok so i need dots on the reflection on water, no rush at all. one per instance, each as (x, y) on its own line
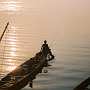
(67, 34)
(9, 65)
(10, 6)
(8, 52)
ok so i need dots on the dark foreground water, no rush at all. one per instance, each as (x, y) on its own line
(68, 36)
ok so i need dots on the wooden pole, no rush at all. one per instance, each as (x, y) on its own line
(4, 32)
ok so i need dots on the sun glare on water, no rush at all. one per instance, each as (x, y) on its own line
(10, 65)
(11, 68)
(10, 6)
(10, 50)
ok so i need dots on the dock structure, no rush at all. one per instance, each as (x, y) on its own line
(26, 72)
(85, 85)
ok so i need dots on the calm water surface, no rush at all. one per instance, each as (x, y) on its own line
(65, 25)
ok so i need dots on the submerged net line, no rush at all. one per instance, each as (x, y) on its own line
(2, 51)
(16, 47)
(8, 50)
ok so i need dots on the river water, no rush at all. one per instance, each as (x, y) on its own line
(64, 24)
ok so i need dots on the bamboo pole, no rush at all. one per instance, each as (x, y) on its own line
(4, 32)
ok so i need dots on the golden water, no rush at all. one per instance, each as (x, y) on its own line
(64, 24)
